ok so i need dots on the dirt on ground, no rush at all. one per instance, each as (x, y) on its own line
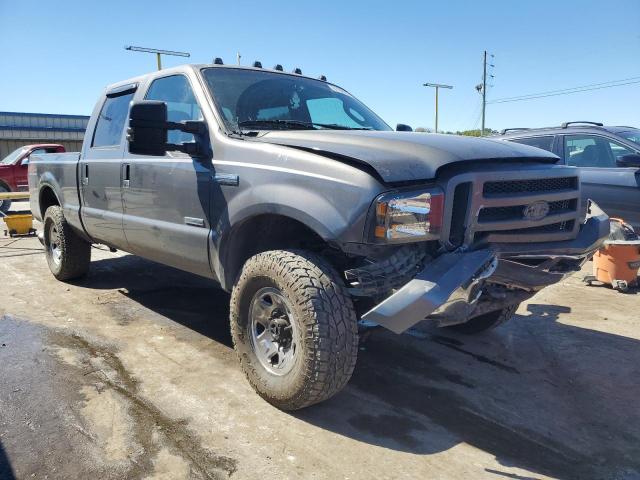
(129, 373)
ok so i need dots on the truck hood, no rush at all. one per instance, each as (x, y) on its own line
(403, 156)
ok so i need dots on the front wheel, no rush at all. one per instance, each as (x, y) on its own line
(486, 321)
(68, 255)
(294, 328)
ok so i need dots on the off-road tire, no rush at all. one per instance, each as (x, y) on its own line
(324, 315)
(5, 205)
(486, 321)
(75, 252)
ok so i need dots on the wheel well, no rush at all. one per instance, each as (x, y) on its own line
(47, 199)
(5, 184)
(262, 233)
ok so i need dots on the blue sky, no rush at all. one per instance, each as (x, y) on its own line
(57, 56)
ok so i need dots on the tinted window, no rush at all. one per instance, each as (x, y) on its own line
(176, 92)
(619, 150)
(592, 151)
(111, 121)
(632, 135)
(544, 143)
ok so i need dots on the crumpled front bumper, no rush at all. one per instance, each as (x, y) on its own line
(451, 285)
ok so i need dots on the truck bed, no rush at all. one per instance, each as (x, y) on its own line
(60, 172)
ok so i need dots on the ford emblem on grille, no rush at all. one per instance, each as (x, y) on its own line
(536, 210)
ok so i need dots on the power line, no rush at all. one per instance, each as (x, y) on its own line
(567, 91)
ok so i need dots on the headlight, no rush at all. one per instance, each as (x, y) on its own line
(409, 216)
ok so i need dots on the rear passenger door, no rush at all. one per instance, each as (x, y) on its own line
(616, 190)
(166, 201)
(100, 170)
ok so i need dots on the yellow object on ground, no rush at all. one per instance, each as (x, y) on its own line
(19, 224)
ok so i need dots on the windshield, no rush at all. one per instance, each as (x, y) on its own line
(273, 101)
(631, 135)
(13, 156)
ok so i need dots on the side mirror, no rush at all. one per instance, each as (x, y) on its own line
(401, 127)
(148, 127)
(631, 160)
(24, 162)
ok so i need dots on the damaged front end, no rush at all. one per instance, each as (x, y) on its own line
(451, 288)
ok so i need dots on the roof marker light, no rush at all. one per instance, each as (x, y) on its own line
(217, 61)
(257, 64)
(278, 67)
(297, 71)
(323, 78)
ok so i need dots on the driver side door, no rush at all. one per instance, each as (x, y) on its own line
(166, 199)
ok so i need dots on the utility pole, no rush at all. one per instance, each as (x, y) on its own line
(482, 88)
(157, 52)
(437, 86)
(239, 57)
(484, 91)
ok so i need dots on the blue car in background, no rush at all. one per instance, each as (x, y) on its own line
(609, 159)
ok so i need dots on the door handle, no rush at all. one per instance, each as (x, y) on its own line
(126, 175)
(85, 174)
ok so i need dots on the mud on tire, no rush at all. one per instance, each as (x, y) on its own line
(67, 254)
(323, 322)
(486, 321)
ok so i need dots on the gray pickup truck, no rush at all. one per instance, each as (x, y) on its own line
(312, 212)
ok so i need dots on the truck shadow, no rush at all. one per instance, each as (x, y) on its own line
(6, 471)
(550, 397)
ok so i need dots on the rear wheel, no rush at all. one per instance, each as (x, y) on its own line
(68, 255)
(5, 205)
(294, 328)
(486, 321)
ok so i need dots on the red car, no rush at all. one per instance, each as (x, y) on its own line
(13, 169)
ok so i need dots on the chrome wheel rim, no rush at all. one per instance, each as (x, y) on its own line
(55, 252)
(273, 331)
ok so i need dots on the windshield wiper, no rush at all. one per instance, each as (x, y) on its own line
(297, 123)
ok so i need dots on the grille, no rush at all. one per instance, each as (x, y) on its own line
(560, 227)
(494, 189)
(515, 212)
(459, 213)
(491, 206)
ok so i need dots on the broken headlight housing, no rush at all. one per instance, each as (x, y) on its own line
(409, 216)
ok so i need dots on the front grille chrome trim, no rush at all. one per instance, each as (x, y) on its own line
(498, 230)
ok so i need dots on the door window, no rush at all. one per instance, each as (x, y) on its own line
(111, 121)
(182, 105)
(619, 150)
(592, 151)
(544, 142)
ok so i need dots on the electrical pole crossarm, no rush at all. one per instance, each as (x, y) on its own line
(437, 86)
(157, 52)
